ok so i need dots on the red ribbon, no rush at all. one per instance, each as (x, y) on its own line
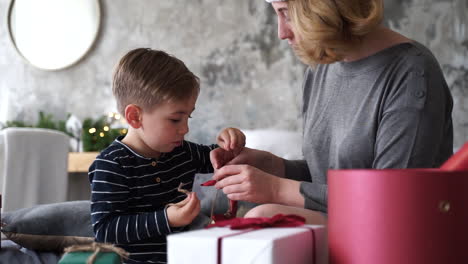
(209, 183)
(232, 211)
(252, 224)
(278, 220)
(459, 160)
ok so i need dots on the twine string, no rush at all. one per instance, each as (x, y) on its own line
(96, 248)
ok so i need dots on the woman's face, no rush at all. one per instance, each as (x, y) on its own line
(285, 30)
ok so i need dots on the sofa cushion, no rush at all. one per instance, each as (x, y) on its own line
(49, 227)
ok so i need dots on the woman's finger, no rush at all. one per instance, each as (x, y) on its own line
(228, 170)
(241, 157)
(216, 158)
(239, 197)
(231, 180)
(235, 188)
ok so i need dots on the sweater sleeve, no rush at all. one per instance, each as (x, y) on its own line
(415, 121)
(315, 195)
(110, 217)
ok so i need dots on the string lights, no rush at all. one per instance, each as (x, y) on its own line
(102, 131)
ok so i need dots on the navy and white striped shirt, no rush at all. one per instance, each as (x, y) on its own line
(129, 193)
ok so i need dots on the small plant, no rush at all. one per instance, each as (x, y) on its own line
(98, 133)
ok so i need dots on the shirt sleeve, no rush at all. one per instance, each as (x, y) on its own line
(201, 156)
(111, 221)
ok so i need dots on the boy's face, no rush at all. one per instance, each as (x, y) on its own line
(164, 127)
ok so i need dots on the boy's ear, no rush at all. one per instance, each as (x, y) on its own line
(133, 115)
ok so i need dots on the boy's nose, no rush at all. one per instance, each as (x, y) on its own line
(184, 129)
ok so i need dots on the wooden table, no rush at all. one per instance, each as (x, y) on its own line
(78, 183)
(80, 161)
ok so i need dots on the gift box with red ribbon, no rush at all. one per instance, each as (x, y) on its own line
(253, 240)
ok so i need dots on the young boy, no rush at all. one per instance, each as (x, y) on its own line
(135, 199)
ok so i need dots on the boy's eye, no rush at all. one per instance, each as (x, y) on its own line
(176, 120)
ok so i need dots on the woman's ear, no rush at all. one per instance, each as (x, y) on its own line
(133, 115)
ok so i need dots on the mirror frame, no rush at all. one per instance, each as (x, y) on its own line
(77, 60)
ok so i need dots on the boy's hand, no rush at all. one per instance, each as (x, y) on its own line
(220, 157)
(231, 139)
(183, 213)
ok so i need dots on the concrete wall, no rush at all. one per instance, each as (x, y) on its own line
(249, 78)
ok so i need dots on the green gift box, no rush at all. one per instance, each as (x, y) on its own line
(81, 257)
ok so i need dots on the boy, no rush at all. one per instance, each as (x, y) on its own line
(135, 199)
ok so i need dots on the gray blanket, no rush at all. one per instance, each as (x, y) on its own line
(12, 253)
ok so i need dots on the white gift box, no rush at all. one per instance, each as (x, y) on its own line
(288, 245)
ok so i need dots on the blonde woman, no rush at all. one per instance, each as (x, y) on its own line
(372, 98)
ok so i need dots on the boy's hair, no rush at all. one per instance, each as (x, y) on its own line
(146, 77)
(327, 28)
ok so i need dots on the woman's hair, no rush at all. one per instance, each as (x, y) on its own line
(146, 77)
(328, 28)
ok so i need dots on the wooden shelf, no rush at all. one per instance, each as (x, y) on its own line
(80, 161)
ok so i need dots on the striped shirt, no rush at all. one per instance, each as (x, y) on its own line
(129, 193)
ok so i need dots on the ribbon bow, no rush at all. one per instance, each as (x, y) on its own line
(96, 248)
(278, 220)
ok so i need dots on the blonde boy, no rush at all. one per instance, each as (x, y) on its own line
(134, 182)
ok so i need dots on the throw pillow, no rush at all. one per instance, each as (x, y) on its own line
(49, 227)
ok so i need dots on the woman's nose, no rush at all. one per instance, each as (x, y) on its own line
(284, 30)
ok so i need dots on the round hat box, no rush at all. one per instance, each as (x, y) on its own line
(414, 216)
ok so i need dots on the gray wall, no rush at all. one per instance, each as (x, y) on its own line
(250, 79)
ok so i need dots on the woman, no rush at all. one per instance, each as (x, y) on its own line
(372, 98)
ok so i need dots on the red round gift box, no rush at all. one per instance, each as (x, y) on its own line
(394, 216)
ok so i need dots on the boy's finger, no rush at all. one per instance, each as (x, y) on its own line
(196, 206)
(226, 171)
(183, 202)
(223, 140)
(233, 138)
(241, 138)
(196, 210)
(189, 207)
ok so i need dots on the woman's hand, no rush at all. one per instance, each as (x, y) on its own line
(247, 183)
(262, 160)
(231, 140)
(183, 212)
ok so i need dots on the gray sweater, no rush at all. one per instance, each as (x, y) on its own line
(390, 110)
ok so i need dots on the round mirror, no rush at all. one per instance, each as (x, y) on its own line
(53, 34)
